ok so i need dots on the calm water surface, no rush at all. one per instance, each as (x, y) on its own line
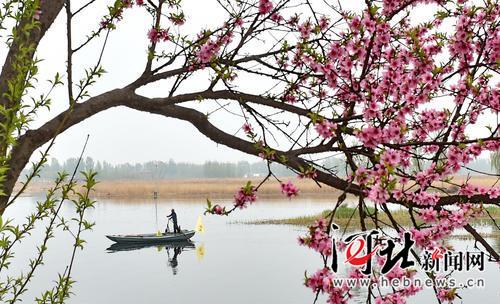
(232, 263)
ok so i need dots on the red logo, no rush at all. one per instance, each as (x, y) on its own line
(437, 254)
(353, 258)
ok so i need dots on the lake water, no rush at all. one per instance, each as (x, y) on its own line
(231, 263)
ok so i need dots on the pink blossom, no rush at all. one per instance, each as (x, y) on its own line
(356, 273)
(247, 128)
(318, 239)
(398, 194)
(156, 35)
(207, 51)
(368, 23)
(424, 198)
(411, 290)
(395, 273)
(265, 7)
(289, 189)
(244, 196)
(446, 294)
(426, 177)
(362, 175)
(378, 194)
(309, 173)
(428, 215)
(430, 120)
(290, 98)
(335, 52)
(177, 19)
(494, 192)
(322, 281)
(127, 3)
(467, 190)
(391, 157)
(217, 209)
(325, 128)
(393, 298)
(458, 218)
(393, 5)
(421, 237)
(370, 136)
(305, 30)
(323, 23)
(276, 18)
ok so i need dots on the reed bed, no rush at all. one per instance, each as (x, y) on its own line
(217, 188)
(193, 188)
(348, 217)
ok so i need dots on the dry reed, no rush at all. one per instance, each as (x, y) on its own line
(215, 188)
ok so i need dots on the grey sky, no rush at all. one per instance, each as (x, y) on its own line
(120, 134)
(123, 135)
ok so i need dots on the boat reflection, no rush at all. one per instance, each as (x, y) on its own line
(174, 249)
(182, 245)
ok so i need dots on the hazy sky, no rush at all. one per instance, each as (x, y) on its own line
(120, 134)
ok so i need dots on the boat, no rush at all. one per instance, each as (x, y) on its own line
(152, 238)
(184, 245)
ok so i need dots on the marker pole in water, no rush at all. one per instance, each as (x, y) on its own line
(155, 198)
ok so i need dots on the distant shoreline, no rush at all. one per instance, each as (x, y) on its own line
(209, 188)
(192, 188)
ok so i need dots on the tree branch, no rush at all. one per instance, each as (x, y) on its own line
(50, 10)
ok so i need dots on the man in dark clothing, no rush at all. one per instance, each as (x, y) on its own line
(173, 217)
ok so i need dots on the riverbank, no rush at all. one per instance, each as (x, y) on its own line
(213, 188)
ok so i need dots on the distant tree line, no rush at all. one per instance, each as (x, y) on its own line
(155, 170)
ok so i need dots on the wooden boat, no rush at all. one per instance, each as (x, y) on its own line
(152, 238)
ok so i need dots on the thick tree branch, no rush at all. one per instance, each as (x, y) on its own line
(483, 242)
(167, 107)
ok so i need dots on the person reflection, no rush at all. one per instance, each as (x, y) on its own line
(173, 261)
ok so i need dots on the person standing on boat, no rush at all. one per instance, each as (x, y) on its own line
(173, 217)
